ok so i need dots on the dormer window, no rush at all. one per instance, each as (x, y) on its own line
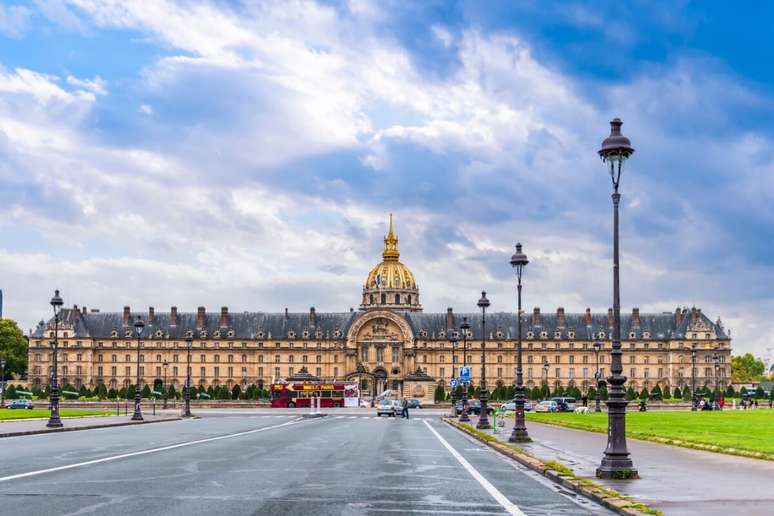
(632, 335)
(159, 333)
(571, 334)
(318, 334)
(557, 335)
(337, 334)
(203, 334)
(216, 334)
(543, 334)
(601, 335)
(530, 335)
(291, 334)
(646, 335)
(306, 334)
(260, 334)
(231, 334)
(500, 335)
(441, 334)
(189, 333)
(128, 334)
(113, 334)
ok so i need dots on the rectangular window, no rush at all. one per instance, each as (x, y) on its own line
(99, 371)
(174, 371)
(202, 359)
(128, 371)
(585, 372)
(585, 359)
(158, 371)
(291, 359)
(529, 373)
(216, 371)
(290, 371)
(335, 372)
(556, 359)
(276, 359)
(572, 373)
(601, 372)
(175, 358)
(633, 373)
(202, 373)
(645, 373)
(660, 372)
(99, 358)
(230, 371)
(318, 371)
(260, 372)
(113, 371)
(305, 359)
(142, 371)
(572, 359)
(276, 372)
(318, 359)
(442, 373)
(558, 373)
(217, 359)
(499, 372)
(529, 359)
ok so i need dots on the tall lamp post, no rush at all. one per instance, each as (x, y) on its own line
(519, 435)
(464, 328)
(616, 462)
(166, 390)
(545, 377)
(694, 399)
(453, 341)
(139, 326)
(716, 360)
(598, 377)
(187, 410)
(2, 384)
(54, 421)
(483, 416)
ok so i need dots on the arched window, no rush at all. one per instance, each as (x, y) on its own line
(384, 299)
(408, 299)
(397, 299)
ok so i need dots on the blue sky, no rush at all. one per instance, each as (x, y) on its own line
(248, 154)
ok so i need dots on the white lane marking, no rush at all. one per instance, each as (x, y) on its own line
(145, 452)
(511, 508)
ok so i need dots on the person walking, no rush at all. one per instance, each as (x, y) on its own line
(404, 404)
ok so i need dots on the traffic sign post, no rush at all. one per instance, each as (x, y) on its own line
(453, 383)
(464, 375)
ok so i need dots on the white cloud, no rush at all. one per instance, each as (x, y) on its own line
(14, 20)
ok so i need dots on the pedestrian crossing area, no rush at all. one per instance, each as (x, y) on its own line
(331, 416)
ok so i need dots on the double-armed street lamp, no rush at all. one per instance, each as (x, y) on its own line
(54, 421)
(519, 435)
(139, 326)
(453, 341)
(616, 462)
(464, 328)
(598, 377)
(483, 416)
(694, 399)
(187, 409)
(166, 389)
(716, 360)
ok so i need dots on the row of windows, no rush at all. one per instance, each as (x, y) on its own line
(383, 298)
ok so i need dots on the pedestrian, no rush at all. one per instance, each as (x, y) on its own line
(755, 403)
(771, 402)
(585, 400)
(404, 404)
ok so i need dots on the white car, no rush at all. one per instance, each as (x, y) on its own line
(388, 408)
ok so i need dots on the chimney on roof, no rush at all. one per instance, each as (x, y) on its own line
(286, 313)
(694, 315)
(449, 318)
(173, 316)
(224, 317)
(95, 310)
(610, 317)
(151, 315)
(536, 316)
(312, 317)
(560, 317)
(587, 317)
(126, 315)
(200, 312)
(635, 317)
(678, 316)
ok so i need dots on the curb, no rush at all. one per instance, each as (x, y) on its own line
(89, 427)
(616, 505)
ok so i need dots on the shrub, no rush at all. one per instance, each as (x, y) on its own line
(656, 392)
(666, 394)
(687, 393)
(730, 393)
(630, 394)
(146, 391)
(678, 394)
(644, 394)
(236, 392)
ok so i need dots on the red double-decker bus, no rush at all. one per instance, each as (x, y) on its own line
(290, 395)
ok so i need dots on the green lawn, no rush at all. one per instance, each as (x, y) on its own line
(9, 414)
(740, 432)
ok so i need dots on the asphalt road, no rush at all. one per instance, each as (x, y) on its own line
(259, 463)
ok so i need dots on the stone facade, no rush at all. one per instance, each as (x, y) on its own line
(385, 345)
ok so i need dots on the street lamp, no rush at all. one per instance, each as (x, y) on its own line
(716, 359)
(139, 326)
(598, 377)
(483, 416)
(616, 462)
(187, 411)
(519, 435)
(53, 420)
(464, 327)
(545, 377)
(694, 400)
(2, 384)
(166, 392)
(453, 341)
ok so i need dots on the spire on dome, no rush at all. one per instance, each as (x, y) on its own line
(391, 245)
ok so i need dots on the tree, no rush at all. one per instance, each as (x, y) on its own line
(687, 393)
(743, 392)
(630, 394)
(655, 393)
(112, 394)
(146, 391)
(171, 393)
(440, 393)
(13, 348)
(746, 368)
(759, 394)
(603, 392)
(591, 393)
(236, 392)
(130, 392)
(730, 393)
(678, 394)
(101, 391)
(644, 395)
(667, 394)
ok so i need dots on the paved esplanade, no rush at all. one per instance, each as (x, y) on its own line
(267, 463)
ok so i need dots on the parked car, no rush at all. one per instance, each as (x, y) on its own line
(414, 403)
(22, 404)
(474, 407)
(511, 405)
(566, 404)
(388, 408)
(547, 406)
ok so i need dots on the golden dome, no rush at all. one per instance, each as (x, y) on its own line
(391, 273)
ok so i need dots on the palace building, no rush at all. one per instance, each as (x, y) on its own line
(389, 343)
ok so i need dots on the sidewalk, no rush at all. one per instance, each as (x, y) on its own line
(38, 426)
(677, 481)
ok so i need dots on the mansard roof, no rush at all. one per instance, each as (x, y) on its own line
(335, 325)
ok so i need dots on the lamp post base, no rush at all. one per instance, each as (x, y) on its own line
(54, 422)
(483, 419)
(617, 469)
(519, 436)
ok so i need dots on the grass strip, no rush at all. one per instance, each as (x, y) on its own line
(566, 476)
(747, 433)
(21, 414)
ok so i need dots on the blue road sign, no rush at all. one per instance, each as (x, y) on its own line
(453, 382)
(464, 375)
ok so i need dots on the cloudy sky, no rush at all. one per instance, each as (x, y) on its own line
(248, 153)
